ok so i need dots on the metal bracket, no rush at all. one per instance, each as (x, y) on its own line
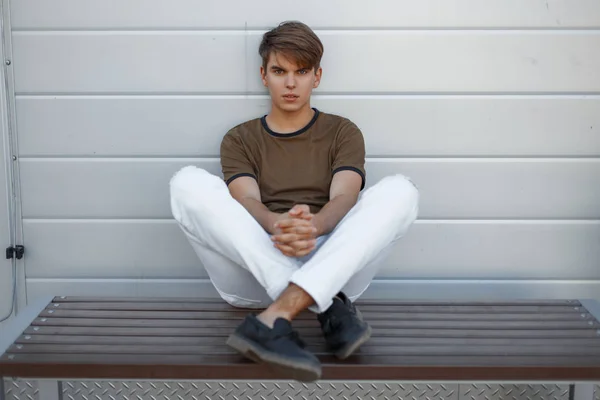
(15, 252)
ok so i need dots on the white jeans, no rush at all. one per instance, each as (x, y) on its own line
(248, 271)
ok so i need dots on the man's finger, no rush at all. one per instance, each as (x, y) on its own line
(301, 212)
(304, 249)
(295, 253)
(302, 244)
(291, 249)
(302, 253)
(300, 209)
(288, 238)
(284, 238)
(286, 250)
(287, 223)
(300, 230)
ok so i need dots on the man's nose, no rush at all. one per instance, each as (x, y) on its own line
(290, 81)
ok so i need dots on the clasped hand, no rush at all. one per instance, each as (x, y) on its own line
(295, 232)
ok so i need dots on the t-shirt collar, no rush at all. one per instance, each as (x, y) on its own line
(263, 121)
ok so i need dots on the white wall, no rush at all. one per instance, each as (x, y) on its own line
(492, 107)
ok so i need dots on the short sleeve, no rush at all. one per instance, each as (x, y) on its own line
(350, 151)
(235, 161)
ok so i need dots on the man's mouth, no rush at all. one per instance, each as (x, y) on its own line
(290, 96)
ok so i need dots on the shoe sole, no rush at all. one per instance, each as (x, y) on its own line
(284, 366)
(350, 348)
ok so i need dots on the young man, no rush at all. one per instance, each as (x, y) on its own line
(287, 228)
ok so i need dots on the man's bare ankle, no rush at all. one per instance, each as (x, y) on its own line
(269, 317)
(290, 303)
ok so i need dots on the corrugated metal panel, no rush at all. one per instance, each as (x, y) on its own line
(450, 188)
(145, 14)
(155, 86)
(188, 62)
(408, 125)
(433, 250)
(419, 289)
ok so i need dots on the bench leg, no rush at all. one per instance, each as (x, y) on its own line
(49, 390)
(582, 391)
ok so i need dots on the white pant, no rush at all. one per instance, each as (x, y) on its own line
(248, 271)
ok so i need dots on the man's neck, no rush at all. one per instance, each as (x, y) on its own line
(289, 122)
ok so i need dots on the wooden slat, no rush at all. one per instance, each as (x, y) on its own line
(377, 324)
(389, 308)
(368, 315)
(377, 340)
(361, 302)
(313, 332)
(367, 350)
(211, 368)
(392, 361)
(94, 299)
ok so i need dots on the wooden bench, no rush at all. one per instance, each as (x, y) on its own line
(78, 338)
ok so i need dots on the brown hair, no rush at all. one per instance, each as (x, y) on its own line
(295, 41)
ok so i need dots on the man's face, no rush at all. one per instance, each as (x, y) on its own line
(290, 85)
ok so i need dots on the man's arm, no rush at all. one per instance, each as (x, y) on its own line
(246, 191)
(294, 239)
(343, 194)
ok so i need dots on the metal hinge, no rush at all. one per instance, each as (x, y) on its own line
(17, 251)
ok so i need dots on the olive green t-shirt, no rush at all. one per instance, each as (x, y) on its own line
(293, 168)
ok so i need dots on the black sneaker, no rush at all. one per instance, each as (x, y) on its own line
(280, 347)
(343, 327)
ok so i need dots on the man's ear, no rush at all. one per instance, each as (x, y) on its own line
(263, 77)
(318, 75)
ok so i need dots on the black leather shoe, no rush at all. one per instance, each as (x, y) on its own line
(280, 347)
(343, 327)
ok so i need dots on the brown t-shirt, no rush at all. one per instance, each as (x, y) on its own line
(293, 168)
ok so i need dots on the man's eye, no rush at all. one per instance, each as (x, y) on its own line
(278, 71)
(303, 71)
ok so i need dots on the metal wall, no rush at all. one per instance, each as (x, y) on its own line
(491, 107)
